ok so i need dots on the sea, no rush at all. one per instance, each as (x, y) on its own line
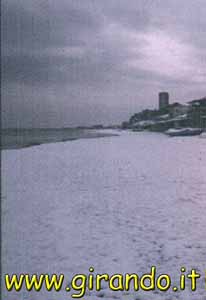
(13, 138)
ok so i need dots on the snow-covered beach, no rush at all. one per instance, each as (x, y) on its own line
(119, 204)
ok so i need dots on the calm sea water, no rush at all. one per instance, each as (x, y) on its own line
(19, 138)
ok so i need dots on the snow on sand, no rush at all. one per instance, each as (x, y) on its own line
(119, 204)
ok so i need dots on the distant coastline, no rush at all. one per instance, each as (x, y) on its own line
(191, 115)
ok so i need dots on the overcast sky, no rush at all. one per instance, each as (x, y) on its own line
(79, 62)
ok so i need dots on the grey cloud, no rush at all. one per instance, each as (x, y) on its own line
(70, 57)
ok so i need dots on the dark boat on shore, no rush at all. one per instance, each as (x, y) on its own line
(183, 131)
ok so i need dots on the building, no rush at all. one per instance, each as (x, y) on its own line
(197, 113)
(175, 115)
(177, 109)
(163, 100)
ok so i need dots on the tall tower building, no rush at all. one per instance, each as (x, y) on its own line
(163, 100)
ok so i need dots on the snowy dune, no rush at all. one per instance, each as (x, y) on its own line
(119, 204)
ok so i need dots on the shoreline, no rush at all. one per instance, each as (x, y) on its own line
(12, 139)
